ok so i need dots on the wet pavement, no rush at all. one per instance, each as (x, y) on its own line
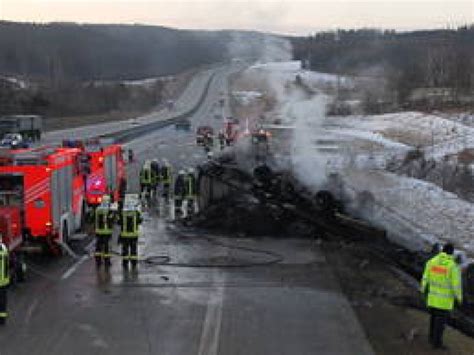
(270, 296)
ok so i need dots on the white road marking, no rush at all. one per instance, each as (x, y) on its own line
(211, 328)
(30, 311)
(74, 267)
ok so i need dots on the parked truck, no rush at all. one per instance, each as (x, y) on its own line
(29, 126)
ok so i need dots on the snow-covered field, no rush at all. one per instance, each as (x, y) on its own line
(414, 212)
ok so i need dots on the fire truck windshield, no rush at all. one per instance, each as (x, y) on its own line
(9, 198)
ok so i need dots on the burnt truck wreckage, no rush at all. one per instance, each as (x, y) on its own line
(264, 202)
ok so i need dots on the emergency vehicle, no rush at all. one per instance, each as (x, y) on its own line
(106, 170)
(42, 197)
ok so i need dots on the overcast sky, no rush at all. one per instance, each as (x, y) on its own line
(283, 16)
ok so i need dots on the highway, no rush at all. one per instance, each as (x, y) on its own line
(294, 306)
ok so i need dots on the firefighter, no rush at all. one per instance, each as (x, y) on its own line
(166, 179)
(4, 281)
(190, 190)
(221, 138)
(129, 220)
(155, 176)
(146, 179)
(208, 142)
(441, 286)
(104, 221)
(130, 156)
(179, 193)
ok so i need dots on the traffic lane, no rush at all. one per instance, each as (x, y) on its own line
(278, 309)
(185, 102)
(177, 146)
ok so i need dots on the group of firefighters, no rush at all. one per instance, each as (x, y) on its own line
(154, 176)
(182, 188)
(128, 217)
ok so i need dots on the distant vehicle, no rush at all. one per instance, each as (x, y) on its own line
(134, 122)
(201, 134)
(13, 140)
(29, 126)
(183, 125)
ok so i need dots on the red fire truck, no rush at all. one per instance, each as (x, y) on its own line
(42, 197)
(106, 169)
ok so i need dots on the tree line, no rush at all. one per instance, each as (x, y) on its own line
(406, 60)
(60, 52)
(64, 64)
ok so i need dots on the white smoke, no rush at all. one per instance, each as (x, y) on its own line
(259, 47)
(294, 105)
(308, 164)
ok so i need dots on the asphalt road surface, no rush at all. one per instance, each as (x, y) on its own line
(290, 305)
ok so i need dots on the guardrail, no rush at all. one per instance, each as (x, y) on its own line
(129, 134)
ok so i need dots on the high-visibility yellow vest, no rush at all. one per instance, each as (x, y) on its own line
(442, 281)
(166, 177)
(190, 191)
(4, 266)
(129, 228)
(102, 222)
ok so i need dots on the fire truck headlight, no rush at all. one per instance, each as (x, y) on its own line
(48, 224)
(99, 199)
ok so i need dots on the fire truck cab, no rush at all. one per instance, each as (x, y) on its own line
(42, 195)
(106, 170)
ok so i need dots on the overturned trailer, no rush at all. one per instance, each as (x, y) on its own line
(221, 179)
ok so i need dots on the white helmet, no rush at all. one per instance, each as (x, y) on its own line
(181, 172)
(191, 171)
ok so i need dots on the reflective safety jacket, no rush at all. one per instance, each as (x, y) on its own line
(4, 266)
(166, 174)
(104, 220)
(145, 176)
(442, 282)
(129, 222)
(190, 185)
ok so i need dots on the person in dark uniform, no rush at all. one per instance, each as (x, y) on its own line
(104, 223)
(129, 220)
(179, 193)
